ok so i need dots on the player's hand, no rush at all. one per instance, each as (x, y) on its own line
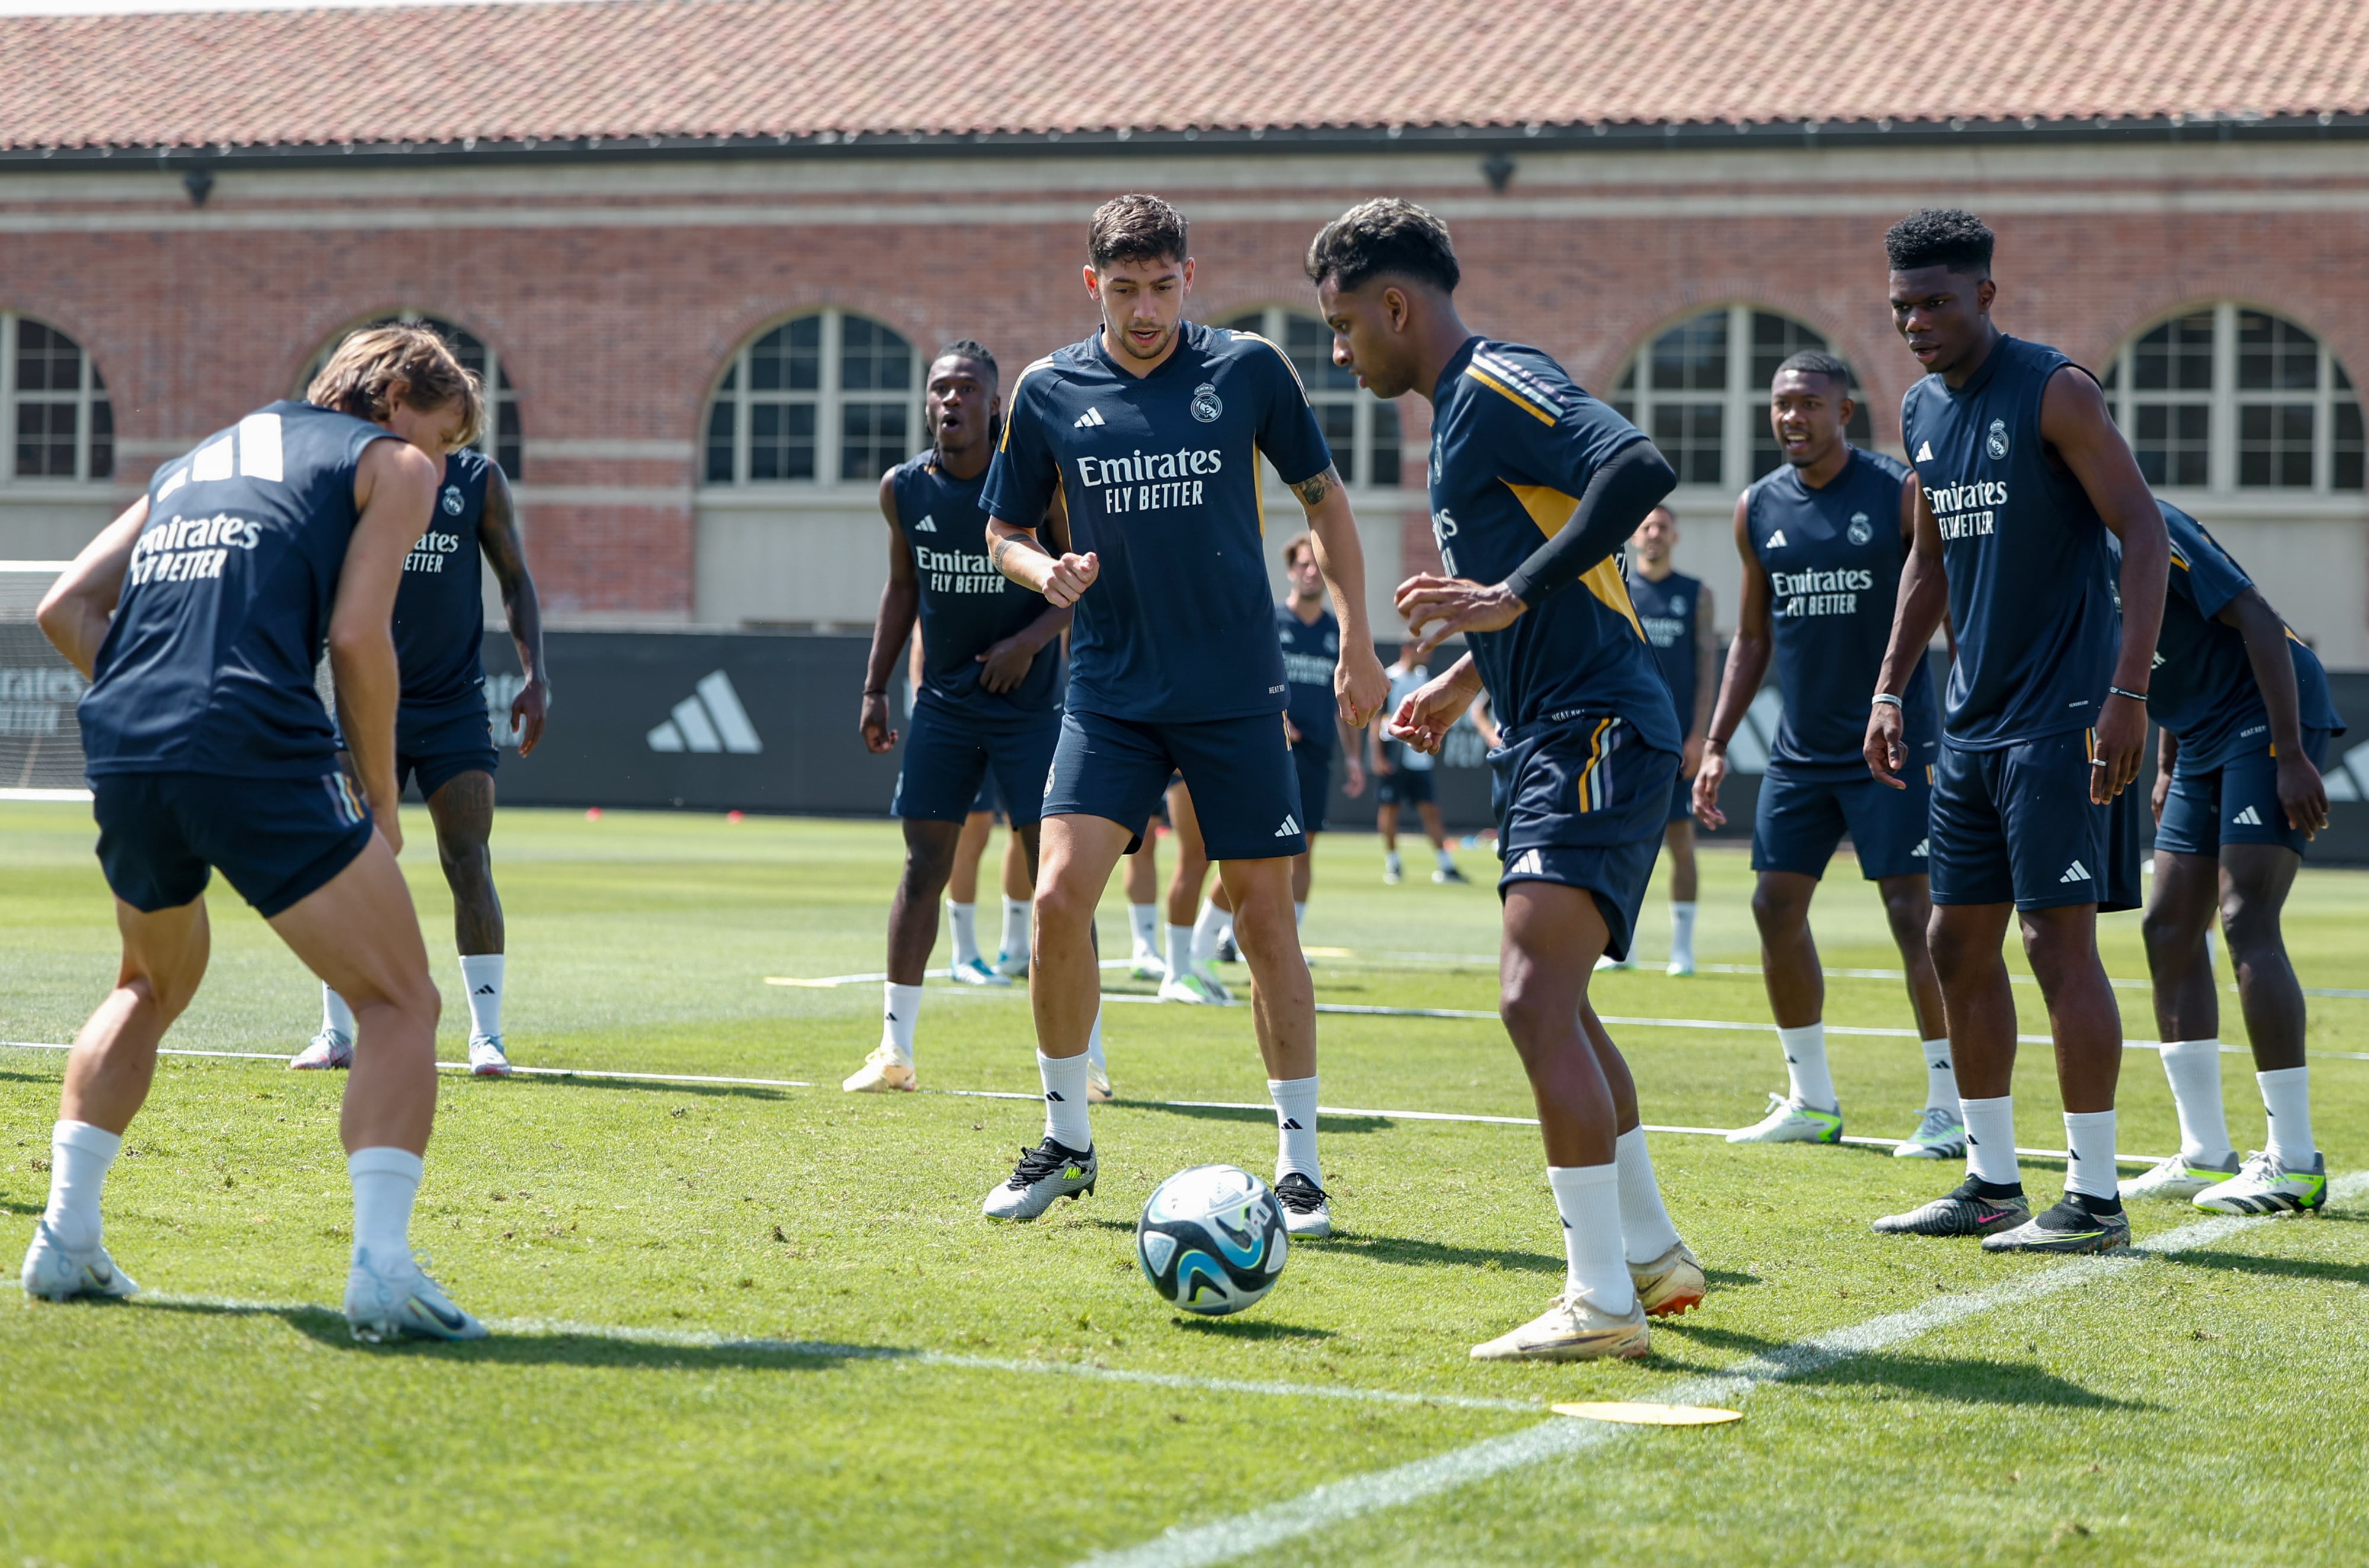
(528, 710)
(1355, 785)
(386, 812)
(1291, 731)
(877, 736)
(1437, 608)
(1359, 687)
(1712, 773)
(2302, 796)
(1886, 747)
(1690, 756)
(1006, 664)
(1429, 712)
(2162, 793)
(2121, 737)
(1069, 578)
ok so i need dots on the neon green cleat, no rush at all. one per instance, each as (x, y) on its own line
(1791, 1121)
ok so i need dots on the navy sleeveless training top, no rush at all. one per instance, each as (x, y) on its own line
(2031, 579)
(966, 605)
(1833, 557)
(208, 667)
(1669, 611)
(440, 610)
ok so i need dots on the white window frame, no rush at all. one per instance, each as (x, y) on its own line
(1745, 404)
(496, 393)
(89, 392)
(830, 400)
(2225, 399)
(1364, 405)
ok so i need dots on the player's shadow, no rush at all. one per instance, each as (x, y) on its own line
(1413, 1252)
(1248, 1328)
(2287, 1268)
(1956, 1379)
(646, 1086)
(11, 1076)
(10, 1205)
(1328, 1124)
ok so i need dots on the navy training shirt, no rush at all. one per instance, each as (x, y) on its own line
(208, 666)
(1669, 612)
(966, 605)
(2203, 689)
(1161, 476)
(1310, 651)
(2032, 578)
(1834, 558)
(439, 610)
(1513, 444)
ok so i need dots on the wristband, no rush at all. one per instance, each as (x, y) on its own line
(1888, 697)
(2135, 696)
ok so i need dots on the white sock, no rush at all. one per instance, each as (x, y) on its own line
(1645, 1225)
(1805, 1065)
(1144, 921)
(2286, 1100)
(1299, 914)
(1682, 933)
(2089, 1143)
(1066, 1122)
(1941, 1078)
(963, 921)
(1015, 928)
(335, 1014)
(385, 1181)
(1206, 932)
(1294, 1121)
(1094, 1042)
(1180, 950)
(2194, 1068)
(1595, 1260)
(900, 1008)
(1390, 859)
(1990, 1139)
(1446, 861)
(481, 978)
(79, 1156)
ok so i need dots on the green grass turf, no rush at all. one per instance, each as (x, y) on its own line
(2189, 1408)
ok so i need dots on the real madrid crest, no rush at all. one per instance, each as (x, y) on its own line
(1206, 407)
(452, 500)
(1996, 442)
(1861, 530)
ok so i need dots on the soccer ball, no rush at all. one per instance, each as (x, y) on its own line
(1211, 1239)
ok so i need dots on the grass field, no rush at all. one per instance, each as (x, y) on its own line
(743, 1322)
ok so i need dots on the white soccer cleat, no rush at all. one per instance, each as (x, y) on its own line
(1098, 1084)
(886, 1070)
(1606, 961)
(1307, 1208)
(978, 972)
(1791, 1121)
(1941, 1135)
(2262, 1185)
(1572, 1330)
(486, 1059)
(1680, 968)
(1011, 968)
(1196, 989)
(394, 1303)
(53, 1274)
(329, 1048)
(1046, 1174)
(1148, 965)
(2176, 1179)
(1671, 1284)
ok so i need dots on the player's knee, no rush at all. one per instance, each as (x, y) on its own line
(1063, 904)
(1952, 950)
(1776, 909)
(468, 865)
(2251, 925)
(166, 996)
(2166, 932)
(1908, 913)
(1530, 1011)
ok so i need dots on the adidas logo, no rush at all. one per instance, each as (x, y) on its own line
(710, 719)
(1052, 1094)
(1089, 419)
(1291, 1125)
(1924, 452)
(1526, 864)
(2076, 872)
(2249, 818)
(1290, 825)
(927, 525)
(1924, 849)
(1777, 540)
(482, 991)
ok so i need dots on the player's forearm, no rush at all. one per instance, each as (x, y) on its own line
(2146, 564)
(361, 661)
(899, 602)
(2274, 676)
(1924, 596)
(1628, 483)
(1341, 560)
(523, 610)
(1747, 666)
(75, 612)
(2167, 751)
(1014, 552)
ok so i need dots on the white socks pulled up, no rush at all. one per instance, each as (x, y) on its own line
(385, 1182)
(1294, 1121)
(1806, 1075)
(1015, 930)
(1587, 1199)
(962, 919)
(1645, 1227)
(2193, 1068)
(1990, 1140)
(1066, 1122)
(2286, 1100)
(335, 1014)
(1941, 1078)
(79, 1156)
(900, 1008)
(2089, 1163)
(481, 978)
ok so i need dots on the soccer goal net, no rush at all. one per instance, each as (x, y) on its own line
(41, 744)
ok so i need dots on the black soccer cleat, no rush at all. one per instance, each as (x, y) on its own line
(1965, 1212)
(2073, 1226)
(1306, 1216)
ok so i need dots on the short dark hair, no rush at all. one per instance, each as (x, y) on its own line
(970, 349)
(1940, 236)
(1292, 547)
(1387, 236)
(1817, 361)
(1135, 228)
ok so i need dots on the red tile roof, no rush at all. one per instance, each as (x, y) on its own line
(807, 68)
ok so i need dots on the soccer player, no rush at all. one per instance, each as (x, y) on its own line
(989, 700)
(1142, 886)
(1534, 486)
(1823, 540)
(969, 966)
(441, 737)
(198, 615)
(1675, 610)
(1402, 777)
(2245, 718)
(1154, 428)
(1191, 939)
(2022, 479)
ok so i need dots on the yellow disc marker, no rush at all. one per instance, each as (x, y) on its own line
(1650, 1415)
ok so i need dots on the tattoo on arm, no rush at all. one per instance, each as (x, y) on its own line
(1311, 492)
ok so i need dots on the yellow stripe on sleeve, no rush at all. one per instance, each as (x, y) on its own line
(1525, 404)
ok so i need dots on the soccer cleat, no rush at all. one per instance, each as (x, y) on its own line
(1392, 875)
(1227, 952)
(1670, 1285)
(400, 1302)
(1011, 968)
(2068, 1228)
(1939, 1135)
(1045, 1173)
(486, 1059)
(1965, 1212)
(1572, 1330)
(1305, 1214)
(886, 1070)
(1606, 961)
(1197, 988)
(1680, 968)
(1791, 1121)
(2262, 1185)
(975, 973)
(329, 1048)
(1147, 966)
(1446, 875)
(53, 1274)
(1098, 1082)
(2179, 1178)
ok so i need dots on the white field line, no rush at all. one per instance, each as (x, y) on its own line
(61, 795)
(1222, 1540)
(463, 1067)
(1491, 959)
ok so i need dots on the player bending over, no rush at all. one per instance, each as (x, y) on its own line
(1823, 540)
(2245, 718)
(1675, 611)
(1403, 778)
(208, 747)
(1534, 484)
(2021, 478)
(1152, 428)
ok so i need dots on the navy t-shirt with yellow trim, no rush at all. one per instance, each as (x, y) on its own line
(1513, 444)
(1161, 476)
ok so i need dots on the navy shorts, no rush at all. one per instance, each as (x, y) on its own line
(1798, 821)
(1245, 787)
(2016, 825)
(1315, 766)
(1582, 804)
(2237, 803)
(1682, 801)
(949, 757)
(278, 841)
(438, 744)
(1404, 785)
(988, 797)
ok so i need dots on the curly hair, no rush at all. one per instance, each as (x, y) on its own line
(1940, 236)
(1387, 236)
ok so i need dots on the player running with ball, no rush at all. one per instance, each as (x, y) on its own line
(1534, 487)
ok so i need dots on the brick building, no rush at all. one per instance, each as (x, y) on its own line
(703, 249)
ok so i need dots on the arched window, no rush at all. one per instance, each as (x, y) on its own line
(2224, 397)
(828, 399)
(501, 439)
(54, 405)
(1701, 390)
(1362, 430)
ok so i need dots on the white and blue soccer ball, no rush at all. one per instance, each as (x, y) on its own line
(1211, 1239)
